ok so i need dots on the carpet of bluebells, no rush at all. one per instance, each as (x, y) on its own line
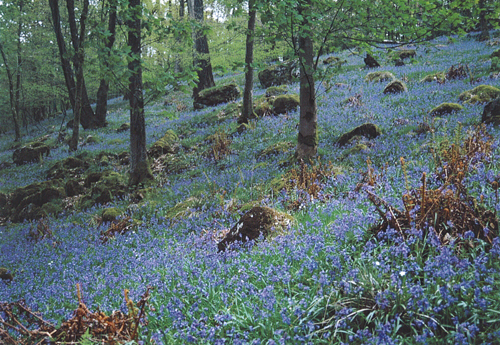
(328, 280)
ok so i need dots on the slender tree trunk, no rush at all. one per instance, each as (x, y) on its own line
(19, 70)
(483, 22)
(102, 93)
(139, 168)
(87, 119)
(12, 93)
(307, 144)
(178, 68)
(202, 53)
(79, 59)
(248, 92)
(65, 63)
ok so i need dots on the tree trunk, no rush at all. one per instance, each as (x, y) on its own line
(248, 92)
(65, 63)
(483, 22)
(79, 59)
(202, 53)
(178, 68)
(12, 93)
(18, 73)
(139, 168)
(87, 119)
(102, 93)
(307, 144)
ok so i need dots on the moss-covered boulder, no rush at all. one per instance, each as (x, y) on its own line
(123, 127)
(217, 95)
(28, 202)
(185, 209)
(6, 275)
(491, 112)
(69, 167)
(495, 54)
(445, 108)
(276, 90)
(379, 76)
(110, 185)
(110, 214)
(259, 221)
(166, 144)
(73, 187)
(368, 130)
(3, 200)
(263, 106)
(30, 153)
(437, 77)
(402, 54)
(277, 75)
(395, 86)
(330, 60)
(480, 94)
(285, 103)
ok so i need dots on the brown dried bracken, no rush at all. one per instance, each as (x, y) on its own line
(115, 228)
(447, 211)
(117, 328)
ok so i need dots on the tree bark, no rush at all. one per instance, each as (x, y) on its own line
(139, 168)
(19, 72)
(202, 53)
(307, 143)
(88, 119)
(102, 92)
(79, 59)
(248, 91)
(178, 68)
(65, 63)
(483, 22)
(12, 93)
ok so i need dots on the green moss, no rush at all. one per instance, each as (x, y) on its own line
(495, 54)
(285, 103)
(116, 142)
(401, 54)
(110, 214)
(92, 139)
(50, 208)
(379, 76)
(166, 144)
(445, 108)
(276, 90)
(395, 86)
(217, 95)
(439, 76)
(480, 94)
(184, 208)
(359, 147)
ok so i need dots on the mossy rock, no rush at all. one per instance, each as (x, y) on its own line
(123, 127)
(3, 200)
(110, 185)
(110, 214)
(367, 130)
(402, 54)
(166, 144)
(495, 65)
(263, 106)
(495, 54)
(50, 208)
(331, 59)
(73, 187)
(68, 167)
(285, 103)
(480, 94)
(116, 141)
(92, 139)
(276, 148)
(276, 75)
(491, 112)
(276, 90)
(438, 77)
(217, 95)
(395, 86)
(379, 76)
(104, 160)
(445, 108)
(31, 153)
(6, 275)
(258, 221)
